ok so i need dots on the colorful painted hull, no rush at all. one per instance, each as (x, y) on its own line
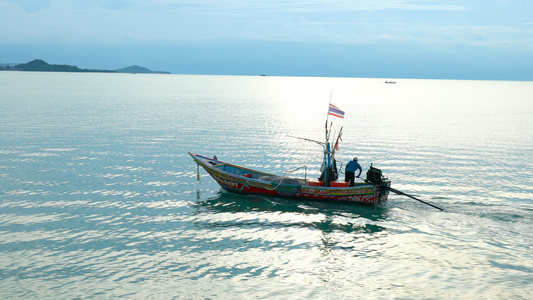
(246, 181)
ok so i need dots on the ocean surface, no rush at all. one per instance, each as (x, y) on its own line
(99, 198)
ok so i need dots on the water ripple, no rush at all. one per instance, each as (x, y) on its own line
(99, 197)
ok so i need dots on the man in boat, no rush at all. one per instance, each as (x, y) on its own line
(330, 173)
(349, 172)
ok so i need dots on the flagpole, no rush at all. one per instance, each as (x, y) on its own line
(327, 116)
(328, 151)
(327, 155)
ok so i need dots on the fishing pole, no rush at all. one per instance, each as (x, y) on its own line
(309, 140)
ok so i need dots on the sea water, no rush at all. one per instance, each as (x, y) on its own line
(99, 198)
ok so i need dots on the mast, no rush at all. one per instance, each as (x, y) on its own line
(327, 152)
(329, 148)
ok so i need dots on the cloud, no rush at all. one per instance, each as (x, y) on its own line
(305, 6)
(29, 6)
(186, 21)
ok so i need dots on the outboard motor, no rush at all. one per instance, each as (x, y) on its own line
(374, 175)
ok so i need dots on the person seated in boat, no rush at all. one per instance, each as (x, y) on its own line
(349, 172)
(331, 174)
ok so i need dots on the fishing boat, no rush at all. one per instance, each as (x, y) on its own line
(243, 180)
(373, 190)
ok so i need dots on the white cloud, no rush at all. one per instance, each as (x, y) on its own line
(182, 21)
(304, 6)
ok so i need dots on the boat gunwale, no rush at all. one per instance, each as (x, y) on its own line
(200, 159)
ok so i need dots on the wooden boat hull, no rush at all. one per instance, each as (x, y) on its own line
(247, 181)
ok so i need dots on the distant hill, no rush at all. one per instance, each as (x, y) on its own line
(138, 69)
(7, 65)
(42, 66)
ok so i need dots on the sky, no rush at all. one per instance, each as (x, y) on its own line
(434, 39)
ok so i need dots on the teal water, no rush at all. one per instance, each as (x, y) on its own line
(99, 198)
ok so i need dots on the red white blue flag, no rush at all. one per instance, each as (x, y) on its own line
(335, 111)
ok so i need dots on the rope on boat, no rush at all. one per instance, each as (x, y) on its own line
(197, 172)
(289, 171)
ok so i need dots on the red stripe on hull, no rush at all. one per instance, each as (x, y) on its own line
(305, 192)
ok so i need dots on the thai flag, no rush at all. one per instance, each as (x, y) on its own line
(335, 111)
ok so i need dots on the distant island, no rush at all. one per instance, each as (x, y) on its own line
(138, 69)
(39, 65)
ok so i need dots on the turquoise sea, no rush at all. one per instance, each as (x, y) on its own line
(100, 200)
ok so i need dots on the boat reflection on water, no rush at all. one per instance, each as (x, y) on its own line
(325, 216)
